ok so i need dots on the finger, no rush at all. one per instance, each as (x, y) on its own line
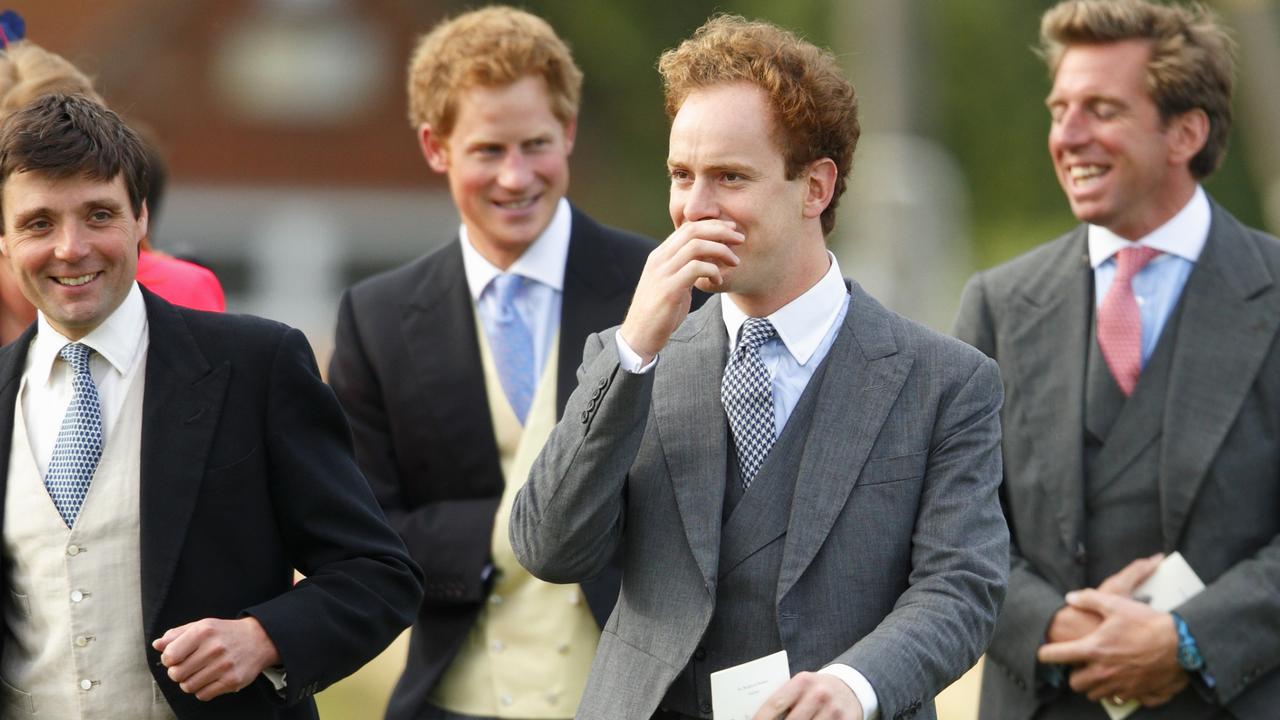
(698, 270)
(1096, 602)
(701, 249)
(1131, 576)
(169, 636)
(180, 646)
(1065, 653)
(777, 704)
(718, 230)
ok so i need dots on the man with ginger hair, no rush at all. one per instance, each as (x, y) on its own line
(791, 467)
(454, 368)
(1139, 358)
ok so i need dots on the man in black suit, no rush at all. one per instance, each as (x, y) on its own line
(165, 481)
(454, 368)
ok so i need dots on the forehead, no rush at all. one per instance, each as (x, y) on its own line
(33, 190)
(524, 103)
(1116, 69)
(723, 123)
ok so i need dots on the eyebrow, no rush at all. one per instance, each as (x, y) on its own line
(105, 203)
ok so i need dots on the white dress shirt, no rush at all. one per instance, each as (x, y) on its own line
(543, 263)
(1159, 284)
(807, 326)
(120, 343)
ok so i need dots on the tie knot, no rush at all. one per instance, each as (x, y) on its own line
(1131, 260)
(754, 333)
(506, 287)
(76, 355)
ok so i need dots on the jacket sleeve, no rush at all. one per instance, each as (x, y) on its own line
(567, 520)
(360, 588)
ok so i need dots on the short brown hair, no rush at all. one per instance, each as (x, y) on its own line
(63, 136)
(1192, 62)
(491, 47)
(28, 71)
(815, 109)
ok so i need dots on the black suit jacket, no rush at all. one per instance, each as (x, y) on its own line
(406, 366)
(247, 473)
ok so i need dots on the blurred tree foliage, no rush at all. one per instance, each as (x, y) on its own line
(987, 92)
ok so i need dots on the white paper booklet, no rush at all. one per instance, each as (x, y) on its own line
(1173, 583)
(738, 692)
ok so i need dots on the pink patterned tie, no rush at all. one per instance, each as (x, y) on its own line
(1119, 324)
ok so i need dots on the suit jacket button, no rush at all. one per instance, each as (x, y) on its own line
(699, 655)
(1081, 554)
(705, 707)
(586, 416)
(603, 382)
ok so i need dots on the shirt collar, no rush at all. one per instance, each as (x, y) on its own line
(543, 260)
(1184, 235)
(117, 339)
(801, 323)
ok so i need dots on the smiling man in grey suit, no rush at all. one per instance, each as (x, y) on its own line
(1143, 382)
(790, 467)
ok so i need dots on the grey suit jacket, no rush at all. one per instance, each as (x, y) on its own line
(1219, 463)
(895, 552)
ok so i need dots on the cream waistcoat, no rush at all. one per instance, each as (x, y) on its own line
(531, 648)
(75, 645)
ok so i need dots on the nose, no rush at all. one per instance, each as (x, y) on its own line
(698, 201)
(516, 172)
(1071, 130)
(71, 244)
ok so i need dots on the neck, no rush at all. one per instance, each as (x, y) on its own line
(798, 279)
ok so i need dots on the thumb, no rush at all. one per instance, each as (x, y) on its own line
(1094, 601)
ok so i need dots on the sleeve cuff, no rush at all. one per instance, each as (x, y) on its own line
(629, 359)
(860, 686)
(277, 676)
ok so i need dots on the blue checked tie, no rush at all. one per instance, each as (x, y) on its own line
(512, 344)
(747, 394)
(79, 444)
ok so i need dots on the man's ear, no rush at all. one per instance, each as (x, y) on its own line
(144, 219)
(434, 148)
(820, 186)
(570, 134)
(1187, 134)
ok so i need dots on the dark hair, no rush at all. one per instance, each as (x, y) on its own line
(63, 136)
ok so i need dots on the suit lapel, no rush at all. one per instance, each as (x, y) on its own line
(12, 361)
(692, 428)
(864, 374)
(1229, 323)
(182, 402)
(592, 284)
(446, 383)
(1051, 335)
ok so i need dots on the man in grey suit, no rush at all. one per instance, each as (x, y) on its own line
(1139, 358)
(791, 466)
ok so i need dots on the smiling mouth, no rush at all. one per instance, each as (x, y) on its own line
(520, 204)
(75, 281)
(1085, 175)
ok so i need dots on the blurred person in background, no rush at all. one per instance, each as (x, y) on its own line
(28, 71)
(454, 368)
(1142, 374)
(165, 471)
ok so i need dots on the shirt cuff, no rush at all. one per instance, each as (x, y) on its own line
(860, 686)
(278, 678)
(629, 359)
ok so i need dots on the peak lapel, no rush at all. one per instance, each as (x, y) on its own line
(864, 374)
(1050, 339)
(692, 428)
(182, 402)
(1230, 318)
(12, 362)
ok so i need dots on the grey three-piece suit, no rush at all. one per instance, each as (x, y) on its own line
(1189, 462)
(872, 536)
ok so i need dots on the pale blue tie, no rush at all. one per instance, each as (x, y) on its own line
(747, 394)
(512, 343)
(79, 444)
